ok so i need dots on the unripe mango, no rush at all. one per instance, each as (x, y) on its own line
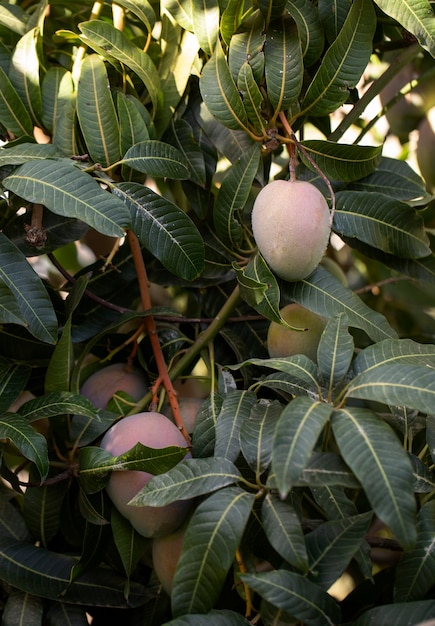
(291, 226)
(101, 385)
(155, 431)
(283, 342)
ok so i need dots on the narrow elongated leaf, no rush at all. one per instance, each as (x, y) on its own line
(13, 380)
(341, 161)
(297, 596)
(284, 531)
(14, 18)
(259, 288)
(231, 19)
(332, 545)
(23, 152)
(188, 479)
(29, 442)
(205, 19)
(252, 96)
(233, 195)
(22, 608)
(59, 369)
(130, 544)
(46, 574)
(132, 127)
(29, 294)
(327, 468)
(256, 434)
(67, 191)
(209, 546)
(416, 16)
(403, 613)
(220, 92)
(218, 617)
(142, 9)
(118, 46)
(57, 403)
(335, 351)
(181, 136)
(416, 569)
(247, 45)
(296, 434)
(384, 223)
(156, 158)
(309, 27)
(164, 229)
(41, 510)
(326, 295)
(235, 409)
(283, 63)
(13, 114)
(65, 130)
(24, 73)
(344, 61)
(404, 351)
(397, 384)
(333, 15)
(96, 112)
(373, 452)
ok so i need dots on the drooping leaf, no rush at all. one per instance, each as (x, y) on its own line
(384, 223)
(96, 112)
(61, 363)
(117, 45)
(129, 543)
(341, 161)
(416, 16)
(13, 114)
(66, 190)
(180, 135)
(205, 20)
(29, 442)
(132, 126)
(26, 292)
(296, 434)
(343, 63)
(373, 452)
(13, 379)
(283, 63)
(247, 45)
(232, 197)
(332, 545)
(332, 14)
(296, 595)
(309, 27)
(210, 543)
(235, 409)
(56, 403)
(323, 293)
(252, 96)
(220, 92)
(142, 9)
(231, 19)
(46, 574)
(41, 510)
(284, 531)
(164, 229)
(24, 73)
(14, 17)
(397, 384)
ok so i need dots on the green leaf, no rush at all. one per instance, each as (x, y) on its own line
(327, 468)
(397, 384)
(46, 574)
(130, 544)
(235, 409)
(29, 442)
(209, 546)
(57, 403)
(164, 229)
(24, 73)
(12, 525)
(59, 369)
(373, 452)
(23, 152)
(142, 9)
(158, 159)
(283, 64)
(232, 17)
(22, 608)
(309, 27)
(13, 114)
(256, 434)
(180, 135)
(392, 351)
(220, 92)
(333, 15)
(66, 190)
(296, 595)
(13, 380)
(233, 195)
(284, 531)
(416, 569)
(115, 44)
(332, 545)
(96, 112)
(132, 126)
(30, 298)
(14, 18)
(343, 63)
(325, 294)
(188, 479)
(296, 434)
(416, 16)
(384, 223)
(252, 96)
(335, 351)
(218, 617)
(41, 510)
(344, 162)
(205, 20)
(65, 130)
(403, 613)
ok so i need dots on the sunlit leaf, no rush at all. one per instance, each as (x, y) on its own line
(341, 161)
(416, 16)
(205, 19)
(13, 114)
(24, 73)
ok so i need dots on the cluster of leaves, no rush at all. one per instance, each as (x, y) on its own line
(163, 119)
